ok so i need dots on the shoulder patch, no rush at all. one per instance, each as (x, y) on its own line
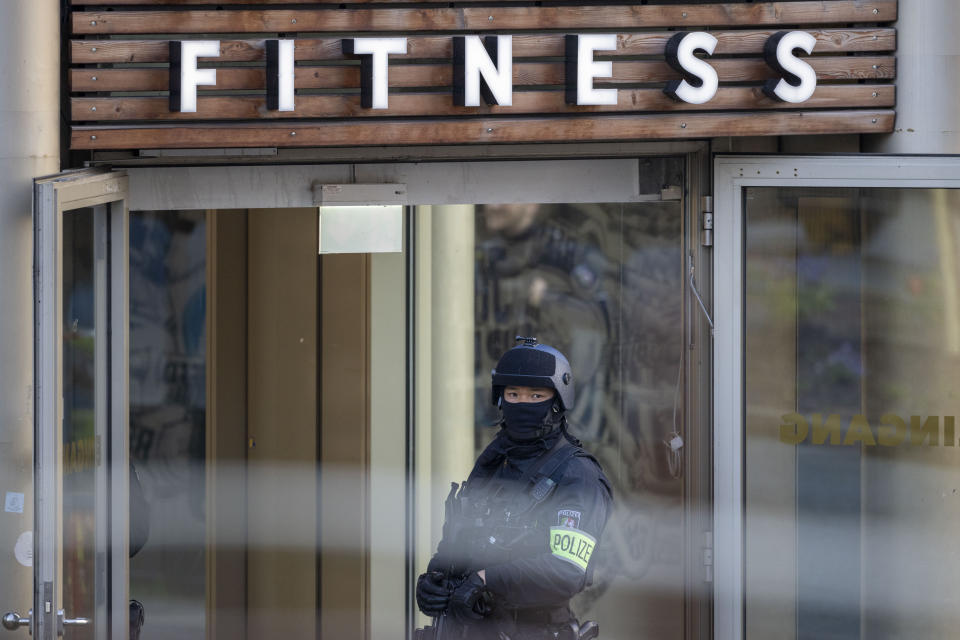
(572, 545)
(568, 518)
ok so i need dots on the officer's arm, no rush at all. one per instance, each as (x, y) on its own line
(562, 570)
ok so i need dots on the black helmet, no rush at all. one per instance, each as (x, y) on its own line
(534, 365)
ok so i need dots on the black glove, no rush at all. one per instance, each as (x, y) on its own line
(471, 600)
(432, 593)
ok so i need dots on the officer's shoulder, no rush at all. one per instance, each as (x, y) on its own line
(583, 466)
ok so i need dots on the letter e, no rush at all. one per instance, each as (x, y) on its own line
(582, 69)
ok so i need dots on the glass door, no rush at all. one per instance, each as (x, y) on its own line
(604, 278)
(838, 337)
(81, 455)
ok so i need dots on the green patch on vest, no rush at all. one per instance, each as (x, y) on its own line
(572, 545)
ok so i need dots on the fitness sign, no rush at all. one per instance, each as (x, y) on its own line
(483, 69)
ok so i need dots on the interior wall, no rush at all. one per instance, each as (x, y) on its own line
(30, 121)
(282, 340)
(388, 444)
(226, 423)
(444, 361)
(345, 445)
(285, 560)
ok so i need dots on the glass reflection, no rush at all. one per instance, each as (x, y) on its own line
(851, 341)
(81, 574)
(603, 284)
(167, 420)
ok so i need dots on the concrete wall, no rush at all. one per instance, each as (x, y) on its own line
(29, 129)
(928, 80)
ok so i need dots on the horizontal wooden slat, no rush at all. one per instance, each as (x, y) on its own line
(817, 12)
(439, 75)
(227, 3)
(524, 46)
(438, 104)
(483, 130)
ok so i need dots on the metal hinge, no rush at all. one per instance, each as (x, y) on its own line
(706, 211)
(708, 556)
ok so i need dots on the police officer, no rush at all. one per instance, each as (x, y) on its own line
(521, 534)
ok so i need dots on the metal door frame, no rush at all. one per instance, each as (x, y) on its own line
(53, 196)
(454, 175)
(731, 175)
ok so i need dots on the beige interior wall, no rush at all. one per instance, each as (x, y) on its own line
(388, 445)
(444, 430)
(452, 320)
(426, 502)
(226, 423)
(770, 465)
(269, 518)
(345, 446)
(282, 423)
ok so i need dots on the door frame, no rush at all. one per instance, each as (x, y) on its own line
(437, 182)
(53, 196)
(454, 175)
(731, 175)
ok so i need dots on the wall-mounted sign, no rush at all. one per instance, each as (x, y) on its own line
(485, 67)
(330, 74)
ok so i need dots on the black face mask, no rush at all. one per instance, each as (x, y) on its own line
(524, 420)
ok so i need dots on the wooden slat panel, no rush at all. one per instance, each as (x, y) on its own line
(441, 104)
(439, 75)
(484, 19)
(483, 130)
(541, 45)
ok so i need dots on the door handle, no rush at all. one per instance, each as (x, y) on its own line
(73, 622)
(12, 620)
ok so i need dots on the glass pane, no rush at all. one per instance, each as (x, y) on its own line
(603, 283)
(82, 524)
(167, 421)
(306, 447)
(852, 347)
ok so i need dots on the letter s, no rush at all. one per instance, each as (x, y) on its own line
(700, 80)
(798, 79)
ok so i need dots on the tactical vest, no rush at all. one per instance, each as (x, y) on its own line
(500, 519)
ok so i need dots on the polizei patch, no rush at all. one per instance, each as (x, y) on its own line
(572, 545)
(568, 518)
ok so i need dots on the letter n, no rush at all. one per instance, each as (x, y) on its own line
(929, 430)
(833, 428)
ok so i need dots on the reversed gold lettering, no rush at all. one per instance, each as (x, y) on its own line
(899, 434)
(833, 428)
(949, 435)
(794, 429)
(859, 431)
(928, 429)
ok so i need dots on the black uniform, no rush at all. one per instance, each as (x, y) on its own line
(534, 530)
